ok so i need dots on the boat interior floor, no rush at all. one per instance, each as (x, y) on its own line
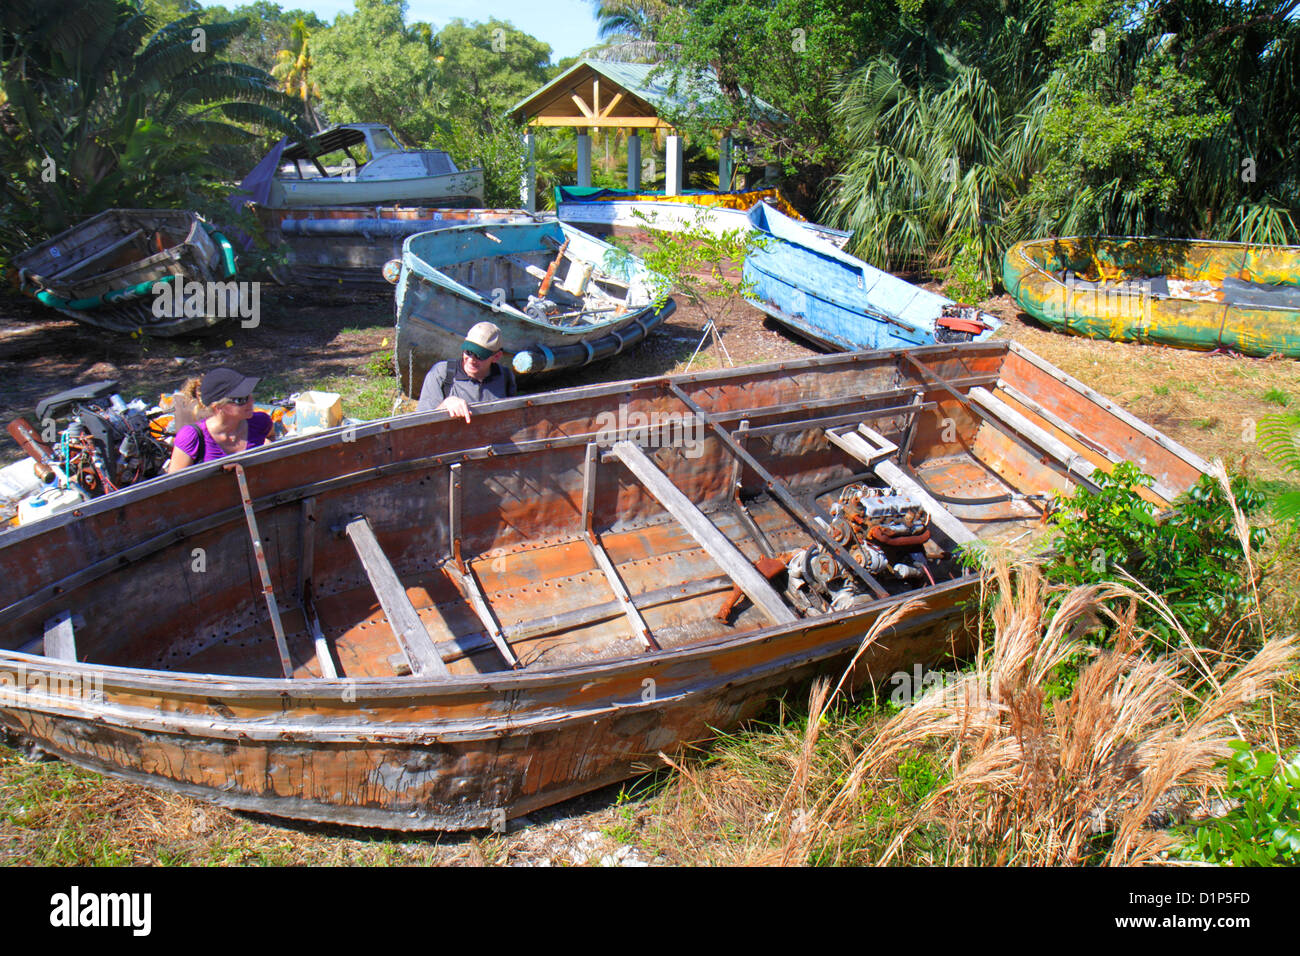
(554, 605)
(1229, 290)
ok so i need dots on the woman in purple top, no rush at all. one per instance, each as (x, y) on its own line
(230, 425)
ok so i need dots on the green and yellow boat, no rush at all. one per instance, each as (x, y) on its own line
(1181, 292)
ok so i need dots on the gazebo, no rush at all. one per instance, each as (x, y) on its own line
(613, 95)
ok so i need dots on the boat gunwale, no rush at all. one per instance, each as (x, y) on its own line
(286, 448)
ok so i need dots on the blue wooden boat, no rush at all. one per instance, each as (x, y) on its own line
(561, 298)
(842, 303)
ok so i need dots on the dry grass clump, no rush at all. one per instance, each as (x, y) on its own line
(1020, 763)
(1036, 780)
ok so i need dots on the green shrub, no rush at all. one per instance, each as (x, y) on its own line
(1193, 559)
(1263, 827)
(966, 280)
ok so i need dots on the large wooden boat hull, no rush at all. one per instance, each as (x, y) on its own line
(454, 278)
(1180, 292)
(834, 299)
(494, 536)
(103, 272)
(351, 244)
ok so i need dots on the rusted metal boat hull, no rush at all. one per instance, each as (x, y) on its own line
(405, 768)
(491, 533)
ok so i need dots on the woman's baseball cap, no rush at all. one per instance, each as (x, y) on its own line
(221, 383)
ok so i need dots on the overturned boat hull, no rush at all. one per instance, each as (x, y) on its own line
(441, 627)
(840, 302)
(1179, 292)
(106, 272)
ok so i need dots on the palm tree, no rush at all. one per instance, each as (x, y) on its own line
(943, 138)
(293, 69)
(628, 29)
(101, 110)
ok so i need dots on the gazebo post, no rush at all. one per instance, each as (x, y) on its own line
(673, 177)
(724, 162)
(634, 160)
(584, 157)
(528, 188)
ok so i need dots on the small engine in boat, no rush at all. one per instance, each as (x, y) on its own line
(958, 323)
(884, 531)
(107, 444)
(541, 308)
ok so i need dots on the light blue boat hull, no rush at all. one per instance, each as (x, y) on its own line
(837, 301)
(454, 278)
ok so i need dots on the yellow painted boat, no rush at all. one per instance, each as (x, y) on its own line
(1180, 292)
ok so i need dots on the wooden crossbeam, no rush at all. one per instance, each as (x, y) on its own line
(272, 607)
(609, 110)
(582, 105)
(1076, 465)
(1011, 423)
(718, 545)
(60, 640)
(407, 627)
(601, 556)
(470, 587)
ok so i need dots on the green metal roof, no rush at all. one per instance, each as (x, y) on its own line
(694, 93)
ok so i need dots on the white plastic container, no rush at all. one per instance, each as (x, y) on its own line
(315, 411)
(48, 503)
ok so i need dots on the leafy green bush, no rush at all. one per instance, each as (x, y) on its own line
(1193, 560)
(1263, 828)
(967, 279)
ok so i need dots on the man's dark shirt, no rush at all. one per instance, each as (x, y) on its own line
(500, 383)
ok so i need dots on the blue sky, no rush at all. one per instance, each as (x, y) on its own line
(569, 26)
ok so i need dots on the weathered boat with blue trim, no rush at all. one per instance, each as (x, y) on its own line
(561, 298)
(840, 302)
(351, 244)
(105, 272)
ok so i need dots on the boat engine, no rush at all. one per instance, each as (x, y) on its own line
(883, 529)
(108, 443)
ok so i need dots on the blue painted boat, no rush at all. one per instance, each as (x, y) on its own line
(824, 294)
(561, 298)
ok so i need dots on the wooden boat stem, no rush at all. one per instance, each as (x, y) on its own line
(272, 608)
(782, 493)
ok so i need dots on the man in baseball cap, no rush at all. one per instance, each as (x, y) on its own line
(479, 376)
